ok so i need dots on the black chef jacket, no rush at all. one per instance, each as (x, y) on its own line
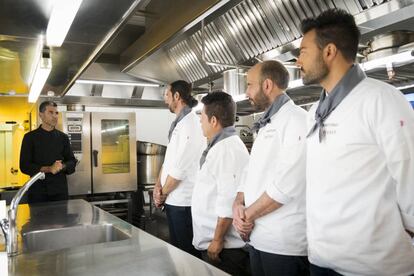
(42, 148)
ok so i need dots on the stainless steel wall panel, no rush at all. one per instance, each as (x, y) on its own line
(330, 4)
(214, 45)
(191, 57)
(314, 7)
(264, 32)
(223, 45)
(296, 13)
(249, 29)
(207, 51)
(253, 27)
(322, 5)
(189, 54)
(340, 4)
(234, 32)
(245, 30)
(306, 8)
(288, 18)
(274, 37)
(179, 65)
(198, 53)
(268, 8)
(231, 41)
(239, 31)
(188, 60)
(182, 57)
(352, 7)
(366, 4)
(280, 15)
(357, 5)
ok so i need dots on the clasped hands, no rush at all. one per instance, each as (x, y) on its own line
(241, 222)
(158, 196)
(55, 167)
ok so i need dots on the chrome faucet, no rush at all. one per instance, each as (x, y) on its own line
(8, 225)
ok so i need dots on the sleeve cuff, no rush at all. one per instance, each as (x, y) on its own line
(273, 192)
(408, 221)
(176, 173)
(224, 212)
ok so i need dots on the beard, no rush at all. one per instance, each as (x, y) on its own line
(260, 102)
(316, 73)
(172, 106)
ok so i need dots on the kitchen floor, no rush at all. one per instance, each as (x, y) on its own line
(156, 224)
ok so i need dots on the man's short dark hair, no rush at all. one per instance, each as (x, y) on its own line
(335, 26)
(184, 89)
(43, 105)
(220, 105)
(276, 72)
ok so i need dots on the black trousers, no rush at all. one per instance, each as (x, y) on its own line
(268, 264)
(180, 226)
(234, 261)
(44, 197)
(322, 271)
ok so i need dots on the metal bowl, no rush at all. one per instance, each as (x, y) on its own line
(148, 148)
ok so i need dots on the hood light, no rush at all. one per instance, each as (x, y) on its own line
(123, 83)
(43, 68)
(63, 13)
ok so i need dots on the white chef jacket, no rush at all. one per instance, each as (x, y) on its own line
(360, 184)
(277, 167)
(182, 159)
(215, 191)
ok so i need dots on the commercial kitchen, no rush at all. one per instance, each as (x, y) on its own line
(107, 65)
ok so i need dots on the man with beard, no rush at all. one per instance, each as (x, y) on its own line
(174, 187)
(269, 210)
(47, 150)
(360, 159)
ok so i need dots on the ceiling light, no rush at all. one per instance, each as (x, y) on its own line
(239, 98)
(63, 13)
(295, 83)
(405, 86)
(123, 83)
(44, 66)
(384, 61)
(399, 58)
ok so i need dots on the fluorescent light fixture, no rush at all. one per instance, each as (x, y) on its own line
(41, 74)
(123, 83)
(295, 83)
(239, 98)
(384, 61)
(39, 47)
(399, 58)
(63, 13)
(405, 87)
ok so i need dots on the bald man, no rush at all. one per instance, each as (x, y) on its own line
(269, 210)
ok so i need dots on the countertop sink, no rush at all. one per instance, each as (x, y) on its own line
(76, 238)
(59, 238)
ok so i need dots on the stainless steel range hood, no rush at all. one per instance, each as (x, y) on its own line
(162, 40)
(256, 29)
(23, 22)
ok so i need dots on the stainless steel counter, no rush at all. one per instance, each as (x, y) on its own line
(141, 254)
